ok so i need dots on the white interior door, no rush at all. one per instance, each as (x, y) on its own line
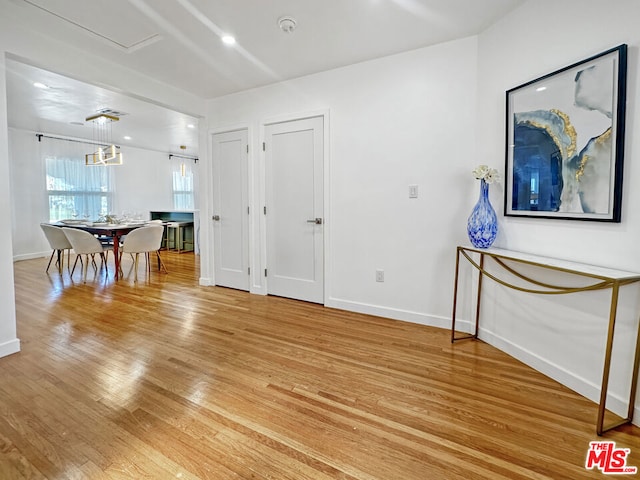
(294, 160)
(230, 209)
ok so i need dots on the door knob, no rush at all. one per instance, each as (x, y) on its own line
(317, 221)
(216, 218)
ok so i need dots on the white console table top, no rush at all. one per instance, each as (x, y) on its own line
(556, 263)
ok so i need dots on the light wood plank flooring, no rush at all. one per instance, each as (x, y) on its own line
(165, 379)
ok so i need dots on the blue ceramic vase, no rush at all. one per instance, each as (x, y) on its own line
(482, 225)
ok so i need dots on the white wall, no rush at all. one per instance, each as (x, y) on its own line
(400, 120)
(141, 184)
(9, 342)
(563, 337)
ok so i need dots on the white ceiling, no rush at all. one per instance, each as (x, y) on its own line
(62, 109)
(178, 43)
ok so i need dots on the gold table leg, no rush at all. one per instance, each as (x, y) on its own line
(455, 301)
(600, 428)
(455, 297)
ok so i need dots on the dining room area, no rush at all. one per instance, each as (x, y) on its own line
(100, 162)
(88, 240)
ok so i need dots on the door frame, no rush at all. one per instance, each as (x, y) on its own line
(261, 194)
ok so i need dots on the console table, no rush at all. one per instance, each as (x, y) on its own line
(597, 278)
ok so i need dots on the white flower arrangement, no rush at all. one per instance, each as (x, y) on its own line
(484, 172)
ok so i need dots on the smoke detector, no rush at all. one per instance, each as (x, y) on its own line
(287, 24)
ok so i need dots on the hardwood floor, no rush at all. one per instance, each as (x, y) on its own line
(166, 379)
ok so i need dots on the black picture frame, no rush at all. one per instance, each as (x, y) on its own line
(565, 141)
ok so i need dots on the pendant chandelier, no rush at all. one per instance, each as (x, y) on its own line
(183, 167)
(107, 153)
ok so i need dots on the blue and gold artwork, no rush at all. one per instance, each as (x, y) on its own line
(562, 146)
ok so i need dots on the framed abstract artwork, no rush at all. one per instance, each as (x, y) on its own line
(565, 141)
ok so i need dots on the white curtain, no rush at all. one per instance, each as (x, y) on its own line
(74, 189)
(183, 191)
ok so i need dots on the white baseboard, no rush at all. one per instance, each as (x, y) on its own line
(31, 256)
(9, 348)
(396, 314)
(207, 282)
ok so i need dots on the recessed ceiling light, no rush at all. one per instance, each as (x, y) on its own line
(191, 125)
(76, 123)
(127, 137)
(541, 89)
(40, 85)
(228, 40)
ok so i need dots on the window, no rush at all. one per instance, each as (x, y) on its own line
(74, 189)
(182, 173)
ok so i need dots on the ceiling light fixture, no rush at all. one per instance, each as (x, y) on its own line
(183, 167)
(228, 40)
(287, 24)
(107, 153)
(40, 85)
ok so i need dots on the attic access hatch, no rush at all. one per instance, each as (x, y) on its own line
(120, 26)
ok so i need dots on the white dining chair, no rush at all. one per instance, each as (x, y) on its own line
(59, 243)
(84, 243)
(143, 240)
(157, 221)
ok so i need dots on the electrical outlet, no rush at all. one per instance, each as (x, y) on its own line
(379, 275)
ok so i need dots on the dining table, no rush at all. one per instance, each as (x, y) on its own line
(113, 230)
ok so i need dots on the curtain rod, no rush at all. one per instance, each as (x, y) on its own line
(41, 135)
(195, 159)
